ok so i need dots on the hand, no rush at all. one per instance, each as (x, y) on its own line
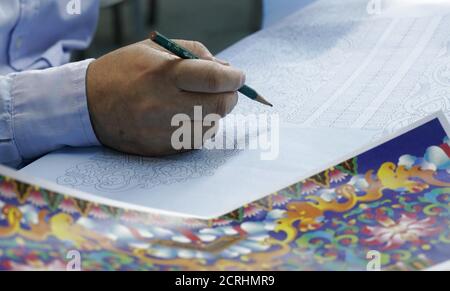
(134, 92)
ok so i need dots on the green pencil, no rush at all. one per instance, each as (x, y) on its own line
(186, 54)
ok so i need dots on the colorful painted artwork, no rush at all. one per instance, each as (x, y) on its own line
(393, 199)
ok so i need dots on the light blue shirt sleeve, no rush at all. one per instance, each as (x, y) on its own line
(43, 110)
(43, 102)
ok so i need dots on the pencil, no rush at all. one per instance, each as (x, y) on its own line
(186, 54)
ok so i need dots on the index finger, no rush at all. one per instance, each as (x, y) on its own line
(195, 47)
(207, 77)
(200, 50)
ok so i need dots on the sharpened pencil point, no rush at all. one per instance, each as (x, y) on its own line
(261, 99)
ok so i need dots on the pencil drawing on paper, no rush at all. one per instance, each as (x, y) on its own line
(111, 171)
(352, 77)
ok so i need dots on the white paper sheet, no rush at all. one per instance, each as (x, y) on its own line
(204, 183)
(335, 65)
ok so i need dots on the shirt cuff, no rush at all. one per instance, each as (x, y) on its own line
(8, 150)
(49, 110)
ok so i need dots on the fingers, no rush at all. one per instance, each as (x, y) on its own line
(207, 77)
(196, 47)
(199, 50)
(221, 104)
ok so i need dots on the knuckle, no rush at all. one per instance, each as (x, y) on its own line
(201, 50)
(199, 46)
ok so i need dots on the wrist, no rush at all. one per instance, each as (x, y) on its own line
(50, 109)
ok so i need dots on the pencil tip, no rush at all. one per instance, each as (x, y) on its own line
(261, 99)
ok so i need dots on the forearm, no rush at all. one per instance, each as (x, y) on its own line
(42, 111)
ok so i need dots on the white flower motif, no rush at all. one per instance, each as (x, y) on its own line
(394, 234)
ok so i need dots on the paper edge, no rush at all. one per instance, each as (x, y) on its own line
(49, 185)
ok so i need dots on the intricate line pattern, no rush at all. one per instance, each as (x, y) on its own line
(332, 66)
(111, 172)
